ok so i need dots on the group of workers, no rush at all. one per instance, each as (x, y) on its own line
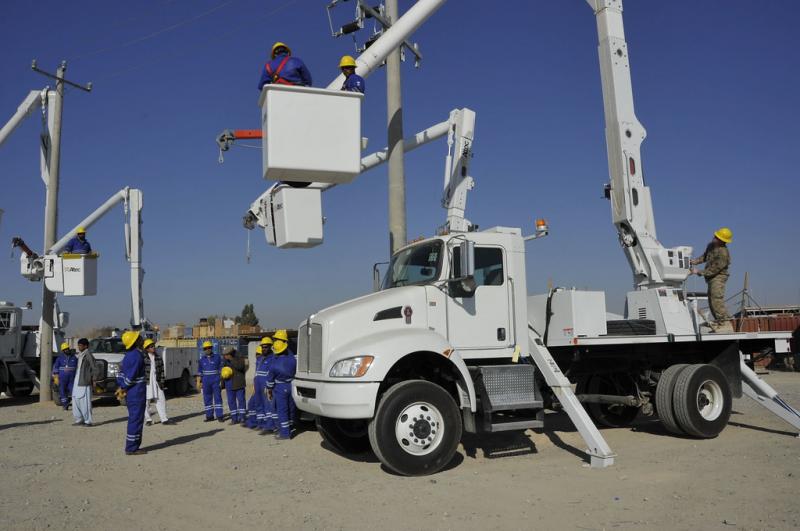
(271, 407)
(285, 69)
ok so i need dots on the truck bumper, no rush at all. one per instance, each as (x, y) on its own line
(338, 400)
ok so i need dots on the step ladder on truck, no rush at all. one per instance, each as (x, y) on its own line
(450, 342)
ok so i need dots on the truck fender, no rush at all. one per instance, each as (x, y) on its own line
(466, 388)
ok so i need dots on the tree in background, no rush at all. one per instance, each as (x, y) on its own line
(248, 316)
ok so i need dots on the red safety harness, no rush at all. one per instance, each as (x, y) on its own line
(276, 76)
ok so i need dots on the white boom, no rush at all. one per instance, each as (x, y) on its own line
(631, 205)
(34, 100)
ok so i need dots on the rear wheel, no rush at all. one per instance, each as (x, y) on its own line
(702, 401)
(664, 392)
(611, 415)
(182, 384)
(416, 428)
(345, 435)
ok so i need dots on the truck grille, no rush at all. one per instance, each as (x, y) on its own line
(309, 348)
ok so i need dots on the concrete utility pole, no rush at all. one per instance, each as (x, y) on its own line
(394, 107)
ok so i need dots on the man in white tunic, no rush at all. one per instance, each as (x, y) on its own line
(154, 369)
(85, 375)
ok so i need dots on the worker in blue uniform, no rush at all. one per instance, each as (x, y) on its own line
(64, 374)
(279, 383)
(251, 421)
(234, 369)
(352, 81)
(132, 385)
(209, 381)
(284, 69)
(260, 385)
(270, 415)
(79, 244)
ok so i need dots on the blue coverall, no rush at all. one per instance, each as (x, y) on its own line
(281, 375)
(260, 391)
(76, 246)
(236, 407)
(354, 83)
(251, 413)
(209, 368)
(65, 367)
(294, 72)
(270, 415)
(131, 377)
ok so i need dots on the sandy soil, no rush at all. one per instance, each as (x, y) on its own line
(210, 475)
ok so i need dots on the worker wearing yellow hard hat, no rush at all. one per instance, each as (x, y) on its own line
(208, 380)
(132, 385)
(234, 368)
(717, 259)
(156, 383)
(284, 69)
(279, 383)
(78, 244)
(352, 81)
(64, 374)
(259, 410)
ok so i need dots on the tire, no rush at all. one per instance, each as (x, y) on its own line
(702, 401)
(664, 392)
(438, 422)
(182, 384)
(345, 435)
(20, 392)
(611, 415)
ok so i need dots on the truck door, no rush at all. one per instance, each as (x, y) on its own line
(480, 319)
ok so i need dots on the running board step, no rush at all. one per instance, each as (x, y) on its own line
(518, 425)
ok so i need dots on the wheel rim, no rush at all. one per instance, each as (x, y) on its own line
(419, 428)
(710, 400)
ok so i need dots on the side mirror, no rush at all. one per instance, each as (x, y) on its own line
(376, 276)
(465, 264)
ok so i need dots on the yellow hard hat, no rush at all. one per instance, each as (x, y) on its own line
(148, 342)
(266, 340)
(280, 334)
(81, 230)
(280, 45)
(259, 350)
(724, 234)
(64, 346)
(226, 373)
(347, 61)
(129, 338)
(207, 344)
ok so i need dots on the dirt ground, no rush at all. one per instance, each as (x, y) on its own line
(212, 476)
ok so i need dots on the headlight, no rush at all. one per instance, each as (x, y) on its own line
(113, 369)
(351, 367)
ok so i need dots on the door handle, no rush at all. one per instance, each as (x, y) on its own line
(501, 334)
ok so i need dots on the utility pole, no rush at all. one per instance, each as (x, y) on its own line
(52, 146)
(394, 108)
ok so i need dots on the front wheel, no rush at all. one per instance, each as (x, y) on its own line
(416, 428)
(346, 435)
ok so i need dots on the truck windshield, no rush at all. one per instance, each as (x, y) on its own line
(111, 345)
(419, 264)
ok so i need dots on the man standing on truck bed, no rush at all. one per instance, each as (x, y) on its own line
(717, 260)
(283, 69)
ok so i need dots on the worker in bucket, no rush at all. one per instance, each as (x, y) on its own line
(78, 244)
(64, 374)
(252, 415)
(717, 259)
(156, 383)
(279, 383)
(234, 368)
(86, 373)
(284, 69)
(132, 386)
(209, 381)
(260, 386)
(352, 81)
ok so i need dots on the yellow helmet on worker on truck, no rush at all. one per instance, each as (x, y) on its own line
(207, 344)
(64, 346)
(81, 230)
(148, 343)
(347, 60)
(226, 373)
(129, 338)
(280, 44)
(724, 234)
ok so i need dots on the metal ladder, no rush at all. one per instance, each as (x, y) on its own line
(600, 454)
(766, 396)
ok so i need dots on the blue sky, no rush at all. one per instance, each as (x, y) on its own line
(715, 85)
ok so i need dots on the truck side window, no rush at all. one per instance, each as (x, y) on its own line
(488, 270)
(5, 322)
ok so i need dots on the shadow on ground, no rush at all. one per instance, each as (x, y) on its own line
(182, 440)
(23, 424)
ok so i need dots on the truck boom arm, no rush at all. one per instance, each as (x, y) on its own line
(34, 100)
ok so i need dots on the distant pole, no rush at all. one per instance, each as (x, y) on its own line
(745, 295)
(50, 231)
(394, 106)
